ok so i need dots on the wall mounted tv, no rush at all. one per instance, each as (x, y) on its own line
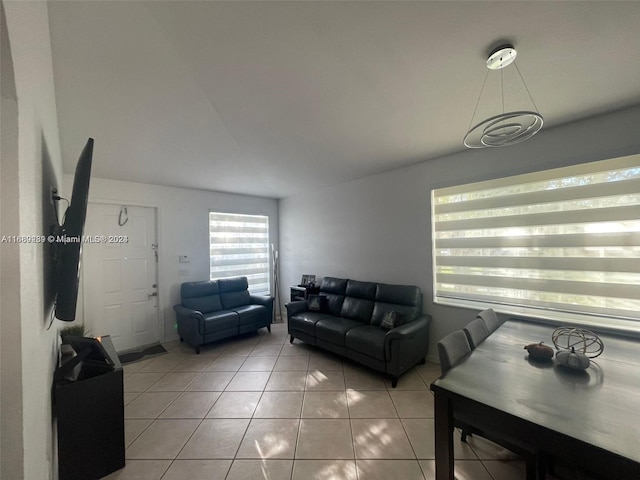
(69, 239)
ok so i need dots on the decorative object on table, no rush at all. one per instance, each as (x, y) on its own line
(583, 341)
(576, 346)
(507, 127)
(307, 280)
(539, 351)
(577, 361)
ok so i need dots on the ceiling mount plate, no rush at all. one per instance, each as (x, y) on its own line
(501, 57)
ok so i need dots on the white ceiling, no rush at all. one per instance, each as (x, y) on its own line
(272, 98)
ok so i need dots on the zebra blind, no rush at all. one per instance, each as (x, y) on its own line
(562, 240)
(239, 247)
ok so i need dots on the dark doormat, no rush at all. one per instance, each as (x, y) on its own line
(142, 354)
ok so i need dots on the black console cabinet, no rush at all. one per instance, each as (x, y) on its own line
(90, 415)
(302, 293)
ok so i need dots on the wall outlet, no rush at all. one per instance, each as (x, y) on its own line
(183, 258)
(183, 272)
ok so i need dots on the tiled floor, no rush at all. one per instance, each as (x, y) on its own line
(257, 407)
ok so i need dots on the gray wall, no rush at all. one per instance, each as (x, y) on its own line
(379, 228)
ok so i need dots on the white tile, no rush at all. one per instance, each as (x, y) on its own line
(325, 405)
(370, 404)
(279, 405)
(380, 439)
(324, 439)
(325, 470)
(248, 382)
(191, 405)
(327, 380)
(215, 438)
(287, 381)
(235, 405)
(149, 404)
(140, 470)
(173, 382)
(211, 382)
(386, 469)
(163, 439)
(270, 439)
(194, 469)
(260, 470)
(413, 404)
(258, 364)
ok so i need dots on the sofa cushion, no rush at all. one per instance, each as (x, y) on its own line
(306, 322)
(222, 320)
(237, 284)
(381, 309)
(408, 295)
(250, 313)
(334, 285)
(317, 303)
(232, 300)
(367, 339)
(392, 319)
(357, 309)
(366, 290)
(201, 296)
(333, 329)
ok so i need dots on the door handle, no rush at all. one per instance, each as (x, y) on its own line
(154, 294)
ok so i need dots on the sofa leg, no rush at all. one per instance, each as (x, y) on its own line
(394, 382)
(269, 328)
(423, 360)
(181, 339)
(290, 338)
(197, 349)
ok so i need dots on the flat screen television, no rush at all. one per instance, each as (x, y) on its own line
(69, 239)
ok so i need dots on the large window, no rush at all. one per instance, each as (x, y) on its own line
(239, 246)
(561, 244)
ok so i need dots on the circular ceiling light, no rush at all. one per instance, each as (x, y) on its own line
(506, 128)
(501, 57)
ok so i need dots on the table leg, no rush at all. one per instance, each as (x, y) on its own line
(444, 437)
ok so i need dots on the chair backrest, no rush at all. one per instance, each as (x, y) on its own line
(476, 331)
(490, 319)
(451, 349)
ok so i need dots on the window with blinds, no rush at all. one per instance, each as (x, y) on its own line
(558, 243)
(239, 247)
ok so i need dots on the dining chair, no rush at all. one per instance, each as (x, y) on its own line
(476, 331)
(490, 319)
(451, 349)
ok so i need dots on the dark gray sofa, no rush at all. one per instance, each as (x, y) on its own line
(216, 309)
(349, 325)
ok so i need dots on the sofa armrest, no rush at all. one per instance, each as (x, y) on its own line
(412, 332)
(189, 315)
(183, 311)
(264, 300)
(296, 307)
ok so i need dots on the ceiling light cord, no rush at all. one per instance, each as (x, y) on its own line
(478, 102)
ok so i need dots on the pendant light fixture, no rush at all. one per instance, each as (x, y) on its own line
(506, 128)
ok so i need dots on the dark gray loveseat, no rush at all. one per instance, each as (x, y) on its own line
(217, 309)
(349, 324)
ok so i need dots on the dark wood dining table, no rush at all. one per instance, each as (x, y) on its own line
(586, 419)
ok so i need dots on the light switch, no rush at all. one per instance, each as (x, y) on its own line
(183, 258)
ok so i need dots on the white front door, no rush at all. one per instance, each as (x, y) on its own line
(120, 275)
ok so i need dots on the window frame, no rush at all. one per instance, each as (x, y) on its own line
(262, 251)
(472, 194)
